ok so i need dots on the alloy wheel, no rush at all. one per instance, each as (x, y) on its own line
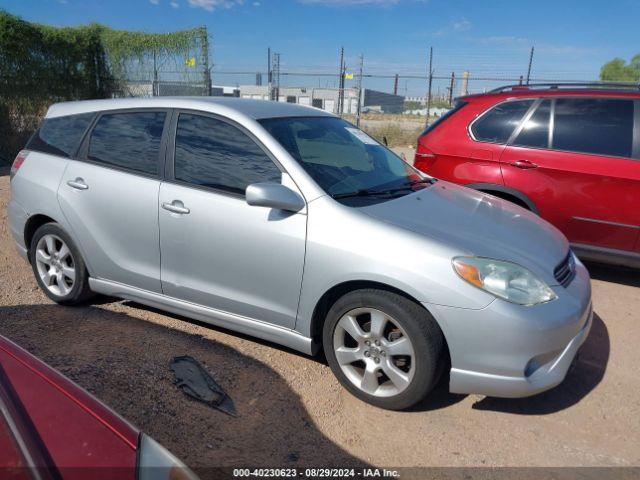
(55, 265)
(374, 352)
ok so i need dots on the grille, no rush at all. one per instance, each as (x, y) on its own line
(566, 270)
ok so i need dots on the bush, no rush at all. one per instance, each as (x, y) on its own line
(41, 65)
(396, 135)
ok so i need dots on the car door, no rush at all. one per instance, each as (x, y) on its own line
(109, 196)
(218, 251)
(572, 157)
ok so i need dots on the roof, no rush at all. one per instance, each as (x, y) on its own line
(226, 106)
(524, 91)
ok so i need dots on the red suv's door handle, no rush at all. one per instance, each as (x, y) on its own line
(524, 164)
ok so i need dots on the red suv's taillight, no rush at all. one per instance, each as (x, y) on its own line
(17, 163)
(424, 158)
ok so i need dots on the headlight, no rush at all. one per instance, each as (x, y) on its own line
(157, 463)
(506, 280)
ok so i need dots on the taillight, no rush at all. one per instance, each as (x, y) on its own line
(17, 163)
(157, 463)
(424, 158)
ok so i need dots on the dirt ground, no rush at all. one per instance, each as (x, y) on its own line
(291, 410)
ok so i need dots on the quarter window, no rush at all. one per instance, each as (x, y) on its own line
(535, 131)
(61, 135)
(213, 153)
(498, 124)
(600, 126)
(128, 140)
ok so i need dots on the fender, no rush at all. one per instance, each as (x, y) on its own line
(494, 187)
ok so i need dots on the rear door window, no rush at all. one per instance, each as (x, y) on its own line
(60, 135)
(600, 126)
(535, 131)
(129, 140)
(498, 124)
(216, 154)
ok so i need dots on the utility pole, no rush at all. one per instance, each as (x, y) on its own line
(395, 85)
(451, 87)
(205, 60)
(341, 73)
(359, 108)
(530, 63)
(430, 83)
(154, 89)
(269, 80)
(275, 73)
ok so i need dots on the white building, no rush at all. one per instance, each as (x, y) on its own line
(327, 98)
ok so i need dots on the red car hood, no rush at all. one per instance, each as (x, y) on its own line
(61, 424)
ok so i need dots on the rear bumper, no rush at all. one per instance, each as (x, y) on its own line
(17, 220)
(508, 350)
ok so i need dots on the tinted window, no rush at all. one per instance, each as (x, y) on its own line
(341, 158)
(498, 124)
(128, 140)
(61, 135)
(458, 105)
(215, 154)
(535, 131)
(594, 125)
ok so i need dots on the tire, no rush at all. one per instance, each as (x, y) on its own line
(63, 275)
(367, 370)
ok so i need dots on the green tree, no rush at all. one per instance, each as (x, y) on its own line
(620, 71)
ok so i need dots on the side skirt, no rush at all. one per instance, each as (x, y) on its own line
(266, 331)
(609, 256)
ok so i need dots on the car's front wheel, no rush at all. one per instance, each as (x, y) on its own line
(58, 266)
(384, 348)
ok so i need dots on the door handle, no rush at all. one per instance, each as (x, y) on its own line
(176, 207)
(523, 164)
(78, 184)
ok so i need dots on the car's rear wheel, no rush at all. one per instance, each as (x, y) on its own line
(58, 266)
(384, 348)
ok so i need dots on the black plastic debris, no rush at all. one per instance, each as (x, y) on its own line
(195, 381)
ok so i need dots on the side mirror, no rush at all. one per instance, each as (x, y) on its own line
(274, 195)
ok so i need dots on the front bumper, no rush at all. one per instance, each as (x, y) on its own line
(507, 350)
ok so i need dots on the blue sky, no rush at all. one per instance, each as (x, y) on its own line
(572, 38)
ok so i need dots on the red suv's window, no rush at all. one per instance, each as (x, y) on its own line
(535, 131)
(497, 124)
(600, 126)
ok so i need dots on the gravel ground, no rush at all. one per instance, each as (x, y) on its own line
(291, 410)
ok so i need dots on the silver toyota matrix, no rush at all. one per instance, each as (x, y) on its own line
(289, 224)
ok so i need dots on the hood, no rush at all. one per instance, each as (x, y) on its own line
(477, 224)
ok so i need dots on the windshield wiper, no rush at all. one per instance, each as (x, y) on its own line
(412, 183)
(369, 192)
(430, 181)
(366, 192)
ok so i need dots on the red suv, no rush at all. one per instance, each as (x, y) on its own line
(570, 153)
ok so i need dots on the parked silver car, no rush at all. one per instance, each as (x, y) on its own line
(289, 224)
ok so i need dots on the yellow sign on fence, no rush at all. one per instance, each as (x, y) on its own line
(348, 76)
(190, 62)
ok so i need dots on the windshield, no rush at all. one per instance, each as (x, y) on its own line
(343, 160)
